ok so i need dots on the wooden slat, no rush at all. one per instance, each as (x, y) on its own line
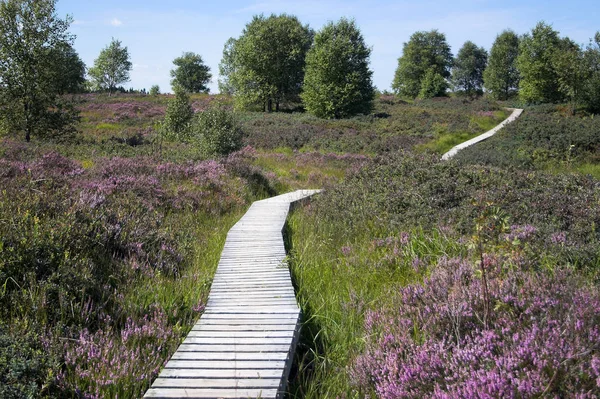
(210, 393)
(256, 383)
(225, 364)
(265, 348)
(222, 373)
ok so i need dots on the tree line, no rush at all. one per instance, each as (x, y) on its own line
(279, 62)
(537, 67)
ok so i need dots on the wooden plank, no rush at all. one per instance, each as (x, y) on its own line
(255, 383)
(236, 341)
(230, 356)
(252, 316)
(225, 364)
(211, 394)
(243, 327)
(242, 334)
(220, 373)
(265, 348)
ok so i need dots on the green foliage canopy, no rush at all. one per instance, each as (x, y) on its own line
(423, 51)
(227, 68)
(218, 132)
(35, 52)
(154, 90)
(191, 73)
(501, 77)
(265, 65)
(338, 81)
(571, 70)
(432, 85)
(112, 67)
(591, 88)
(539, 79)
(467, 72)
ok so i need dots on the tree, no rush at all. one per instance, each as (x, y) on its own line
(33, 53)
(265, 65)
(154, 90)
(70, 72)
(571, 70)
(501, 77)
(433, 84)
(539, 79)
(338, 81)
(112, 67)
(591, 87)
(423, 51)
(178, 115)
(467, 72)
(227, 68)
(191, 73)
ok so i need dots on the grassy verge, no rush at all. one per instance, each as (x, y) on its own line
(481, 122)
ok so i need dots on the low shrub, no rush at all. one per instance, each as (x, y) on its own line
(543, 338)
(217, 132)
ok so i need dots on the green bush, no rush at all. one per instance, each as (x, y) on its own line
(154, 90)
(178, 115)
(217, 131)
(26, 366)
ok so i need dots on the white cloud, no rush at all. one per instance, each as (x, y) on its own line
(116, 22)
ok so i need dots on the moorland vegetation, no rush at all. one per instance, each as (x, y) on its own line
(476, 277)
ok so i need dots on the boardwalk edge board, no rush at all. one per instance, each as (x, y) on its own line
(244, 343)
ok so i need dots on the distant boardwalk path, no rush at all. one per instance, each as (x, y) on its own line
(243, 345)
(514, 115)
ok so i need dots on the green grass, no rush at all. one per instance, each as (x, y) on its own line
(339, 275)
(591, 169)
(205, 236)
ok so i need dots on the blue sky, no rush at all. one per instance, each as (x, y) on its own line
(156, 32)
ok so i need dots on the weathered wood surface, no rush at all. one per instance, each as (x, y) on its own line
(516, 112)
(244, 343)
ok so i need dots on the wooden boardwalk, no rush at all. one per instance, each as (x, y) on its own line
(516, 112)
(244, 343)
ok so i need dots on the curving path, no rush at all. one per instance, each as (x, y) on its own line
(516, 112)
(244, 343)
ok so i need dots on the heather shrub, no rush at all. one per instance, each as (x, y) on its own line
(543, 338)
(217, 132)
(420, 191)
(106, 255)
(103, 362)
(392, 126)
(542, 138)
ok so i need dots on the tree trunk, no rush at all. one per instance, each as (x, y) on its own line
(270, 105)
(27, 124)
(277, 106)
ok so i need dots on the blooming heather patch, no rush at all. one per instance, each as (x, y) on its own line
(124, 111)
(107, 359)
(543, 339)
